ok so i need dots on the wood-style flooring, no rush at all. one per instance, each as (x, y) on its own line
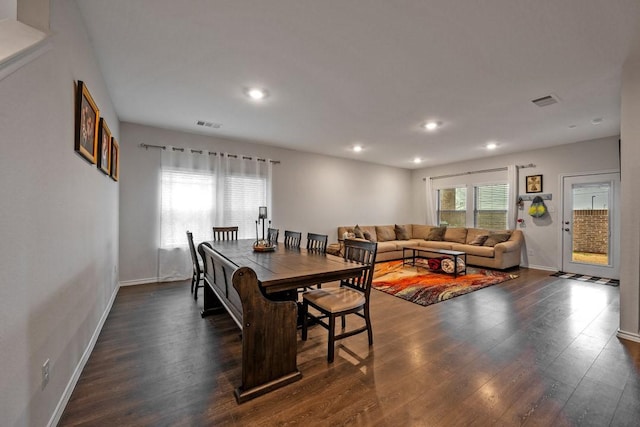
(534, 351)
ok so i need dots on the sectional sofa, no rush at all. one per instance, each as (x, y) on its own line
(484, 248)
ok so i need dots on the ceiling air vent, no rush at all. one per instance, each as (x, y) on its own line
(208, 124)
(545, 100)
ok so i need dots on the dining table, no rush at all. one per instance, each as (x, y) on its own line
(258, 288)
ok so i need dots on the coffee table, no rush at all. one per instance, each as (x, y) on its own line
(421, 251)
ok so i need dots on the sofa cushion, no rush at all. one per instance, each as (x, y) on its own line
(385, 233)
(484, 251)
(436, 234)
(403, 232)
(456, 234)
(387, 246)
(419, 231)
(436, 245)
(496, 237)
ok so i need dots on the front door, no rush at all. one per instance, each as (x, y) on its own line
(590, 225)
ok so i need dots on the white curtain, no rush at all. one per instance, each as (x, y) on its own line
(431, 214)
(512, 209)
(200, 190)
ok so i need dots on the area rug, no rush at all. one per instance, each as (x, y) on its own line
(583, 278)
(422, 286)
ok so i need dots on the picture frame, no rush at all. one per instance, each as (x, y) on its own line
(104, 147)
(115, 160)
(86, 131)
(534, 184)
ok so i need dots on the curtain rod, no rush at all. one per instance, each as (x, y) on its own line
(530, 165)
(211, 153)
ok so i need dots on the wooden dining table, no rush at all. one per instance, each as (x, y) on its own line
(259, 290)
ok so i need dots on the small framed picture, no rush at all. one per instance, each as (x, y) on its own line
(86, 132)
(534, 184)
(104, 147)
(115, 159)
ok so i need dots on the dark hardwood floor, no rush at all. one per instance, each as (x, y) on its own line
(534, 351)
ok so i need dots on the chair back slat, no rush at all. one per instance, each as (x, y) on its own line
(362, 253)
(292, 238)
(225, 233)
(317, 242)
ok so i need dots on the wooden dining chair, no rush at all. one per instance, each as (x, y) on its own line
(351, 297)
(292, 238)
(317, 242)
(225, 233)
(198, 270)
(272, 234)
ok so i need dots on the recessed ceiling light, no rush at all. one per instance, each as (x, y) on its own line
(357, 148)
(596, 121)
(572, 126)
(492, 146)
(431, 125)
(417, 160)
(256, 94)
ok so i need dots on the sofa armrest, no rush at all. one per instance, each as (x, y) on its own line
(513, 244)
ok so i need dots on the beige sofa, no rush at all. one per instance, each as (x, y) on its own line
(486, 254)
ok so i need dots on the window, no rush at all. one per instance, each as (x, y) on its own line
(452, 206)
(188, 203)
(191, 201)
(491, 206)
(242, 196)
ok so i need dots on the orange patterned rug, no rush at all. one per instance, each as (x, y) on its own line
(422, 286)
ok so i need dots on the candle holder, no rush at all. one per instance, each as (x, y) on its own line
(262, 244)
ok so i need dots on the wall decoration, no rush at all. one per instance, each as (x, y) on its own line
(104, 147)
(534, 184)
(86, 132)
(115, 160)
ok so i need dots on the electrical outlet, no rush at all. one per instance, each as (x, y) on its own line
(45, 373)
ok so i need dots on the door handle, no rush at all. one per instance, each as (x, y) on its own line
(566, 229)
(566, 222)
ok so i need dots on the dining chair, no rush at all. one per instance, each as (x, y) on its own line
(272, 234)
(351, 297)
(198, 270)
(292, 238)
(225, 233)
(317, 242)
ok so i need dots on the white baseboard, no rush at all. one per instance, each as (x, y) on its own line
(628, 336)
(139, 281)
(57, 413)
(542, 267)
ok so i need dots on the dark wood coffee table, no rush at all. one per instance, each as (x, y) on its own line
(421, 252)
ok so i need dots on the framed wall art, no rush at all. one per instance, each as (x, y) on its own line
(86, 132)
(534, 184)
(115, 160)
(104, 147)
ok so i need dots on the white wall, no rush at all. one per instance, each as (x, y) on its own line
(630, 239)
(541, 235)
(311, 192)
(58, 224)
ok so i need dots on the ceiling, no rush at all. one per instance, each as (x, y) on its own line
(369, 72)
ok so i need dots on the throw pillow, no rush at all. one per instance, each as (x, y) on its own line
(436, 234)
(358, 232)
(402, 233)
(495, 238)
(479, 240)
(367, 235)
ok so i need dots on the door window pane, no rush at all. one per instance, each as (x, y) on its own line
(590, 231)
